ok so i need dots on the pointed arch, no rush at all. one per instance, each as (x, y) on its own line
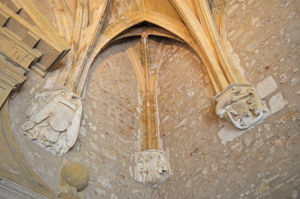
(129, 20)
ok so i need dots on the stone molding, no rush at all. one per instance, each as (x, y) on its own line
(241, 104)
(11, 190)
(11, 75)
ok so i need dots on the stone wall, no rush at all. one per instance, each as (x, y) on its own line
(212, 160)
(109, 128)
(209, 158)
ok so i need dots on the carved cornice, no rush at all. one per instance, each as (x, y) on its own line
(40, 49)
(11, 75)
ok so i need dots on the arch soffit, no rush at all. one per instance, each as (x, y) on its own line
(129, 20)
(125, 22)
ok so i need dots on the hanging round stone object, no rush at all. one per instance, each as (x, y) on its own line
(75, 175)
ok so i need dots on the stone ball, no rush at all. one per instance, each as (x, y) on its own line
(75, 175)
(65, 196)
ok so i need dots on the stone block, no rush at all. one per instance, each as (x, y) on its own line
(11, 5)
(31, 39)
(277, 103)
(3, 18)
(266, 87)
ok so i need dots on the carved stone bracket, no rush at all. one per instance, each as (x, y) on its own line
(242, 105)
(152, 167)
(54, 120)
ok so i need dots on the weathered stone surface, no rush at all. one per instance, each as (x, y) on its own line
(54, 120)
(277, 103)
(294, 81)
(105, 182)
(229, 133)
(75, 175)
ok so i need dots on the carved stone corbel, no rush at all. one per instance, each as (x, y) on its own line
(242, 105)
(54, 120)
(152, 167)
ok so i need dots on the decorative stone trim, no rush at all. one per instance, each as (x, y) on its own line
(242, 105)
(11, 190)
(152, 167)
(54, 120)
